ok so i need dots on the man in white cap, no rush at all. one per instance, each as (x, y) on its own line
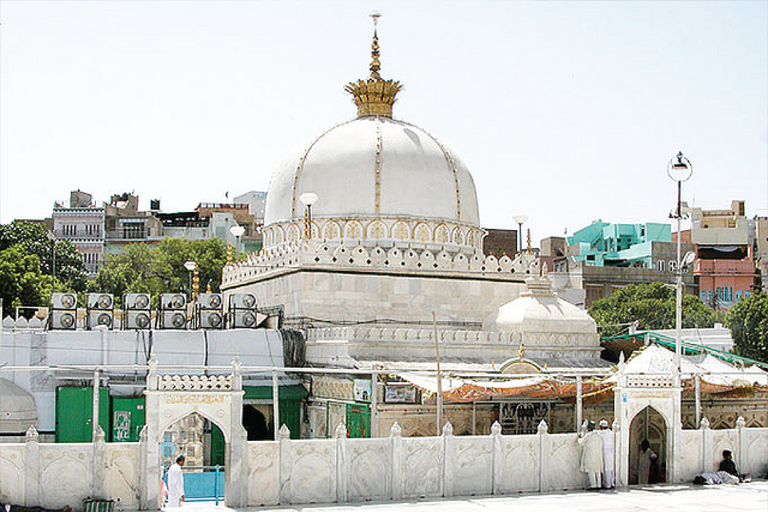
(608, 460)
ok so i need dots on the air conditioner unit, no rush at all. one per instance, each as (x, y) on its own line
(96, 318)
(173, 320)
(173, 301)
(211, 320)
(137, 320)
(136, 301)
(63, 320)
(63, 301)
(100, 301)
(210, 301)
(244, 319)
(242, 301)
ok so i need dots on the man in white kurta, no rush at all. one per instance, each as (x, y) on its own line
(608, 459)
(592, 455)
(176, 483)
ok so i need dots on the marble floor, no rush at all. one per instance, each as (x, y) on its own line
(749, 497)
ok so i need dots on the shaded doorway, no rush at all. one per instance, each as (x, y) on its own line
(649, 425)
(255, 423)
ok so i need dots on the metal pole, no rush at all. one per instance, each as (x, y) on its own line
(579, 404)
(95, 419)
(374, 405)
(275, 404)
(697, 381)
(678, 291)
(439, 379)
(53, 266)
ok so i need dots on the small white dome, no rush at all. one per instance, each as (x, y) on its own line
(539, 310)
(17, 408)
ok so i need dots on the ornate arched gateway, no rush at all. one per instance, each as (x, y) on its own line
(219, 399)
(634, 394)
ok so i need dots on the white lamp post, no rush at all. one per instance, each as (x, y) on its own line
(679, 169)
(237, 231)
(53, 239)
(190, 265)
(520, 220)
(308, 198)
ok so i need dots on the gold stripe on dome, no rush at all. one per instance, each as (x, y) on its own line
(377, 195)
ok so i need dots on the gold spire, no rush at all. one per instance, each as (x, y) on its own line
(374, 96)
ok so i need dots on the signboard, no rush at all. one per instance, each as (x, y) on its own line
(402, 394)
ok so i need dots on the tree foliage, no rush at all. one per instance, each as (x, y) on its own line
(27, 265)
(159, 268)
(748, 322)
(70, 273)
(21, 281)
(651, 305)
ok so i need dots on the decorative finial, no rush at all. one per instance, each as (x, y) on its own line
(375, 64)
(520, 352)
(374, 96)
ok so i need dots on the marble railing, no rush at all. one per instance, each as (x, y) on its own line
(650, 381)
(194, 383)
(287, 471)
(311, 253)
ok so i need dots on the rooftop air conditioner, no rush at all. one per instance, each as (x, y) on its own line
(244, 320)
(63, 320)
(63, 301)
(173, 301)
(210, 301)
(96, 318)
(211, 320)
(137, 320)
(136, 301)
(173, 320)
(100, 301)
(242, 301)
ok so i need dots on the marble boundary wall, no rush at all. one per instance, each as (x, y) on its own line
(352, 470)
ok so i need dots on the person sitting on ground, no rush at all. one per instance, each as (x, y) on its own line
(727, 464)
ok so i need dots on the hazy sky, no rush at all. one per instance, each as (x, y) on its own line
(563, 111)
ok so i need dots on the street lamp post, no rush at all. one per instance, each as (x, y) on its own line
(52, 238)
(191, 266)
(520, 220)
(308, 198)
(679, 169)
(237, 231)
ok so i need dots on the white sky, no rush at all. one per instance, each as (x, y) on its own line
(564, 111)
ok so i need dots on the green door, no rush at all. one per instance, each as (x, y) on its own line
(217, 446)
(74, 414)
(358, 421)
(128, 418)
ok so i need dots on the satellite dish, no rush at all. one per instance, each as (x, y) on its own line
(687, 259)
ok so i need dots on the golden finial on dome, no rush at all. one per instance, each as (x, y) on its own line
(374, 96)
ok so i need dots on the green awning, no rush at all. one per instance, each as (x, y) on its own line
(291, 392)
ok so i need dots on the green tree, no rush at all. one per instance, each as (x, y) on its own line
(748, 322)
(652, 305)
(159, 268)
(21, 281)
(70, 273)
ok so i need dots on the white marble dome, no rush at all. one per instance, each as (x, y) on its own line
(17, 408)
(371, 168)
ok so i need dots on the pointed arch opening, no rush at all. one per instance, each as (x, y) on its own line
(648, 463)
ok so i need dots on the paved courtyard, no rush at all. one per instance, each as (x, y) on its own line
(750, 497)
